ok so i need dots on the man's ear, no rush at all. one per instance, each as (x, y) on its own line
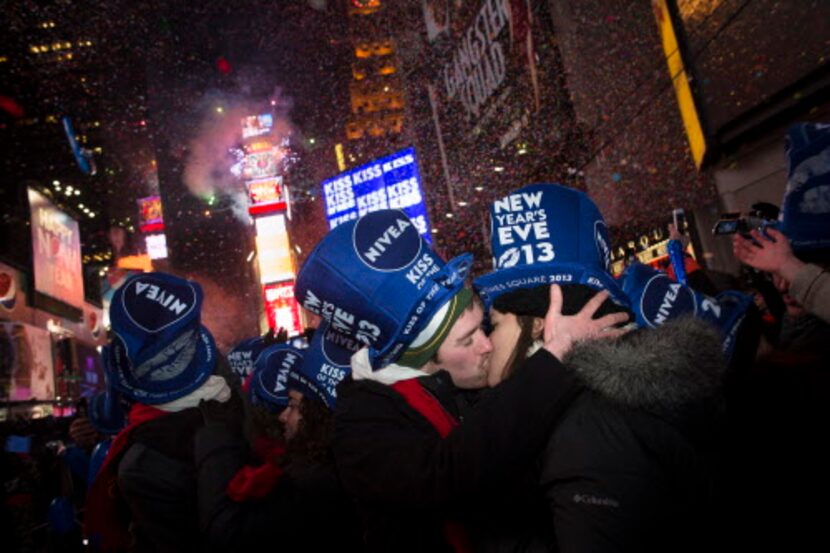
(538, 328)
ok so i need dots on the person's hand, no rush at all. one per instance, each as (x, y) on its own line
(771, 253)
(562, 332)
(83, 433)
(675, 234)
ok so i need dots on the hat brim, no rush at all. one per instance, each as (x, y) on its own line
(197, 372)
(492, 285)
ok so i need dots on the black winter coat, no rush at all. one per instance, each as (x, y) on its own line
(631, 467)
(408, 480)
(156, 479)
(306, 511)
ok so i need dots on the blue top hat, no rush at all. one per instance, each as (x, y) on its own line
(327, 363)
(374, 279)
(243, 356)
(805, 213)
(269, 384)
(160, 351)
(547, 234)
(656, 299)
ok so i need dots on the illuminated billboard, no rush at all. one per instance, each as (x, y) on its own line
(150, 217)
(27, 371)
(389, 182)
(257, 125)
(273, 250)
(265, 195)
(282, 308)
(56, 252)
(156, 246)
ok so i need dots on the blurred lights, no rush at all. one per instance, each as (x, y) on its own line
(449, 215)
(479, 188)
(462, 204)
(220, 109)
(498, 169)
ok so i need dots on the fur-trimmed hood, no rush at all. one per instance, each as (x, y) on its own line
(669, 370)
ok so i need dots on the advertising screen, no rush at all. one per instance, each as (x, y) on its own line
(282, 308)
(56, 252)
(391, 182)
(26, 370)
(273, 249)
(150, 215)
(156, 246)
(265, 195)
(257, 125)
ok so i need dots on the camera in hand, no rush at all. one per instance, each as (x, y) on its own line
(761, 216)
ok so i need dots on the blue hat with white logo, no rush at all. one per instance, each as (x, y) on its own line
(805, 213)
(160, 351)
(375, 279)
(243, 356)
(269, 381)
(656, 299)
(545, 234)
(327, 363)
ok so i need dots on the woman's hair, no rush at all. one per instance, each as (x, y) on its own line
(530, 303)
(522, 345)
(313, 432)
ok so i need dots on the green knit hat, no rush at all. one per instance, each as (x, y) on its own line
(424, 346)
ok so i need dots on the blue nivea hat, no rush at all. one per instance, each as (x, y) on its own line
(656, 299)
(160, 351)
(269, 383)
(242, 357)
(545, 234)
(376, 280)
(805, 211)
(327, 363)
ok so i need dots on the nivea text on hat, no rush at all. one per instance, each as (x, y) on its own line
(154, 293)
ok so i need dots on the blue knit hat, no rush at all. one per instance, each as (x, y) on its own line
(269, 382)
(243, 356)
(545, 234)
(376, 280)
(805, 212)
(656, 299)
(327, 363)
(160, 351)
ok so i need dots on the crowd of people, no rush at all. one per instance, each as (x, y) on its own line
(544, 406)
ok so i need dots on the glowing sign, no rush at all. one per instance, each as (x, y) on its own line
(265, 195)
(56, 251)
(257, 125)
(260, 165)
(389, 182)
(273, 251)
(156, 246)
(282, 308)
(150, 217)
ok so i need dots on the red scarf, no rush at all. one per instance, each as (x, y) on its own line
(102, 521)
(256, 482)
(425, 403)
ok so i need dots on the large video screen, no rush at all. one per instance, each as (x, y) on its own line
(391, 182)
(56, 251)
